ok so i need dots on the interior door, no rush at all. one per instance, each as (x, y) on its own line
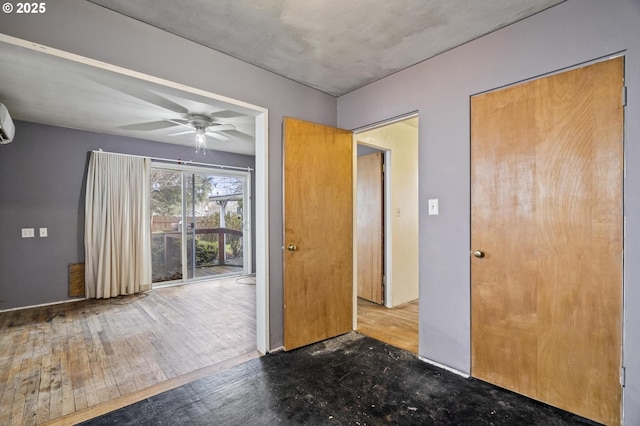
(370, 196)
(547, 170)
(318, 232)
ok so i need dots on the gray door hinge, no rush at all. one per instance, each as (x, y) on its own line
(624, 95)
(623, 374)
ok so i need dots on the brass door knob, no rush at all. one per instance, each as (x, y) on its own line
(479, 254)
(292, 247)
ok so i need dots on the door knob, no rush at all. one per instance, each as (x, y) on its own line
(292, 247)
(479, 254)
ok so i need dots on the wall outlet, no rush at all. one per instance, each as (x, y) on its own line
(43, 232)
(27, 233)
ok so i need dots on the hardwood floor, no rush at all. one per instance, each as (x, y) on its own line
(397, 326)
(64, 359)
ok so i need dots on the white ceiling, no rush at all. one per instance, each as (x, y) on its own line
(332, 45)
(46, 89)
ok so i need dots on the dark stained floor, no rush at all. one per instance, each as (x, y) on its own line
(349, 380)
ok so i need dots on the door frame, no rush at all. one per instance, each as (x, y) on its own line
(261, 190)
(388, 225)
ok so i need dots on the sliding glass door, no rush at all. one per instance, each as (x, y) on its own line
(199, 228)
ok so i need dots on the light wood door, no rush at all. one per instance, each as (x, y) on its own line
(546, 170)
(318, 232)
(370, 208)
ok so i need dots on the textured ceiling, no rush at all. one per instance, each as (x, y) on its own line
(332, 45)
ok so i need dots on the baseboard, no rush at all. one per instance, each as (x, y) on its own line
(276, 350)
(43, 304)
(444, 367)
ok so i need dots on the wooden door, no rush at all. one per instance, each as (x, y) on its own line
(546, 170)
(318, 232)
(370, 208)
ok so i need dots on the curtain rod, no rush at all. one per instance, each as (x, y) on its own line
(185, 162)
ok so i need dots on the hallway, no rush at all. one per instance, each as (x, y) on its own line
(397, 326)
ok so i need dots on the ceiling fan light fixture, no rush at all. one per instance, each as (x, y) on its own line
(201, 140)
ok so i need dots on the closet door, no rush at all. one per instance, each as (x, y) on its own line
(547, 234)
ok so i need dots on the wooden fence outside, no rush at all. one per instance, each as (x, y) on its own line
(172, 223)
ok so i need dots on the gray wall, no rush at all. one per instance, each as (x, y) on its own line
(563, 36)
(568, 34)
(44, 173)
(89, 30)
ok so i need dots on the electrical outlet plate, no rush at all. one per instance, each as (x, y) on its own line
(43, 232)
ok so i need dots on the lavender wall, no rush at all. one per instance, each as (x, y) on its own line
(89, 30)
(571, 33)
(43, 185)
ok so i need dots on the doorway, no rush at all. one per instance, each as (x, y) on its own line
(199, 229)
(320, 285)
(91, 68)
(393, 318)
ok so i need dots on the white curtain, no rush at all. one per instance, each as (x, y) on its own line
(117, 235)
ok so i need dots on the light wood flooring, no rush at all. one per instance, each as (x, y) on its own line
(397, 326)
(73, 361)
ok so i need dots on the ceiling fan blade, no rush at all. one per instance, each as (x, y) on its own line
(140, 93)
(240, 136)
(179, 122)
(226, 114)
(151, 125)
(220, 127)
(182, 133)
(218, 136)
(155, 99)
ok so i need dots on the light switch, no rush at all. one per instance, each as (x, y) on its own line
(43, 232)
(433, 207)
(397, 211)
(27, 233)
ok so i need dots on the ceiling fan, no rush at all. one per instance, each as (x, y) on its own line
(221, 125)
(203, 126)
(215, 125)
(199, 124)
